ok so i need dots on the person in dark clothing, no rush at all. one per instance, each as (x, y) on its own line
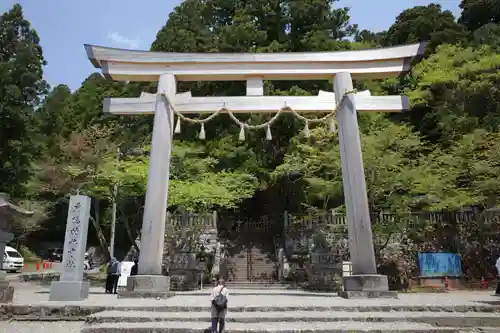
(109, 279)
(113, 274)
(108, 287)
(134, 270)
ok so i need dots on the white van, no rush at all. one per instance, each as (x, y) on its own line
(13, 261)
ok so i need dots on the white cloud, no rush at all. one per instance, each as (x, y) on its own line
(119, 40)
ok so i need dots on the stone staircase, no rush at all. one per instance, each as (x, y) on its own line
(252, 268)
(241, 320)
(261, 310)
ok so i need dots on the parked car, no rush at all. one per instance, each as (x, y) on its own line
(13, 261)
(55, 254)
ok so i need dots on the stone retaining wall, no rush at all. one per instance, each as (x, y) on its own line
(47, 277)
(26, 312)
(39, 276)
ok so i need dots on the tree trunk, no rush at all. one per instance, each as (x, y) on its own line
(131, 230)
(100, 235)
(130, 235)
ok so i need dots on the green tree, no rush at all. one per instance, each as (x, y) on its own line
(455, 91)
(477, 13)
(186, 29)
(21, 86)
(488, 34)
(475, 161)
(425, 23)
(374, 39)
(195, 183)
(316, 25)
(53, 118)
(400, 171)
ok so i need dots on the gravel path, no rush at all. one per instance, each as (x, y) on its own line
(40, 327)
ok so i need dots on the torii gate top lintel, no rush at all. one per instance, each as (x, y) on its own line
(132, 65)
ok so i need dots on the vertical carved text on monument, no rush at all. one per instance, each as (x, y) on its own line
(74, 214)
(76, 238)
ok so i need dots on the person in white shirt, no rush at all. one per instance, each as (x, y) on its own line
(498, 271)
(218, 302)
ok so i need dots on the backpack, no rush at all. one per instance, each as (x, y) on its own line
(220, 301)
(115, 267)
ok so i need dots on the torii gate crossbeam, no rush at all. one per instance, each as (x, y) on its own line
(254, 68)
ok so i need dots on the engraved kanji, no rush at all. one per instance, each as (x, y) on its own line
(75, 231)
(75, 219)
(70, 263)
(76, 207)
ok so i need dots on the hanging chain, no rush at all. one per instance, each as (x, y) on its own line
(330, 116)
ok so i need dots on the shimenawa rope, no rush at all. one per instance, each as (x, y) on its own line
(330, 117)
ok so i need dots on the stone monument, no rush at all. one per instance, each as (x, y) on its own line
(71, 286)
(8, 212)
(183, 271)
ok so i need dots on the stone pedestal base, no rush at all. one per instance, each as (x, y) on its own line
(69, 290)
(147, 286)
(6, 292)
(184, 279)
(367, 286)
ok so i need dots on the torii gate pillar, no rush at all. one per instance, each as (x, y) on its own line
(150, 282)
(364, 281)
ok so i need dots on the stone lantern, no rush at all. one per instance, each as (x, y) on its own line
(8, 212)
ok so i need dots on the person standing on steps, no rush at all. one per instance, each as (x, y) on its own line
(113, 274)
(218, 301)
(109, 278)
(117, 272)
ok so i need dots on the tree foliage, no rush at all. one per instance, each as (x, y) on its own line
(457, 91)
(477, 13)
(425, 23)
(21, 86)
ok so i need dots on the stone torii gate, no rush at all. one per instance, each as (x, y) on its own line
(254, 68)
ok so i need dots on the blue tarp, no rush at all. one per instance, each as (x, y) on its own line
(433, 264)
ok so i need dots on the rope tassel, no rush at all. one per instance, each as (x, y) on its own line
(242, 133)
(307, 132)
(332, 124)
(178, 126)
(202, 132)
(269, 137)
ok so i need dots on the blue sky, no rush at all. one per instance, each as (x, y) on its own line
(65, 25)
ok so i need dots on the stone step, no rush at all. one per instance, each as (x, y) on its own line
(245, 284)
(263, 262)
(452, 319)
(268, 327)
(51, 311)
